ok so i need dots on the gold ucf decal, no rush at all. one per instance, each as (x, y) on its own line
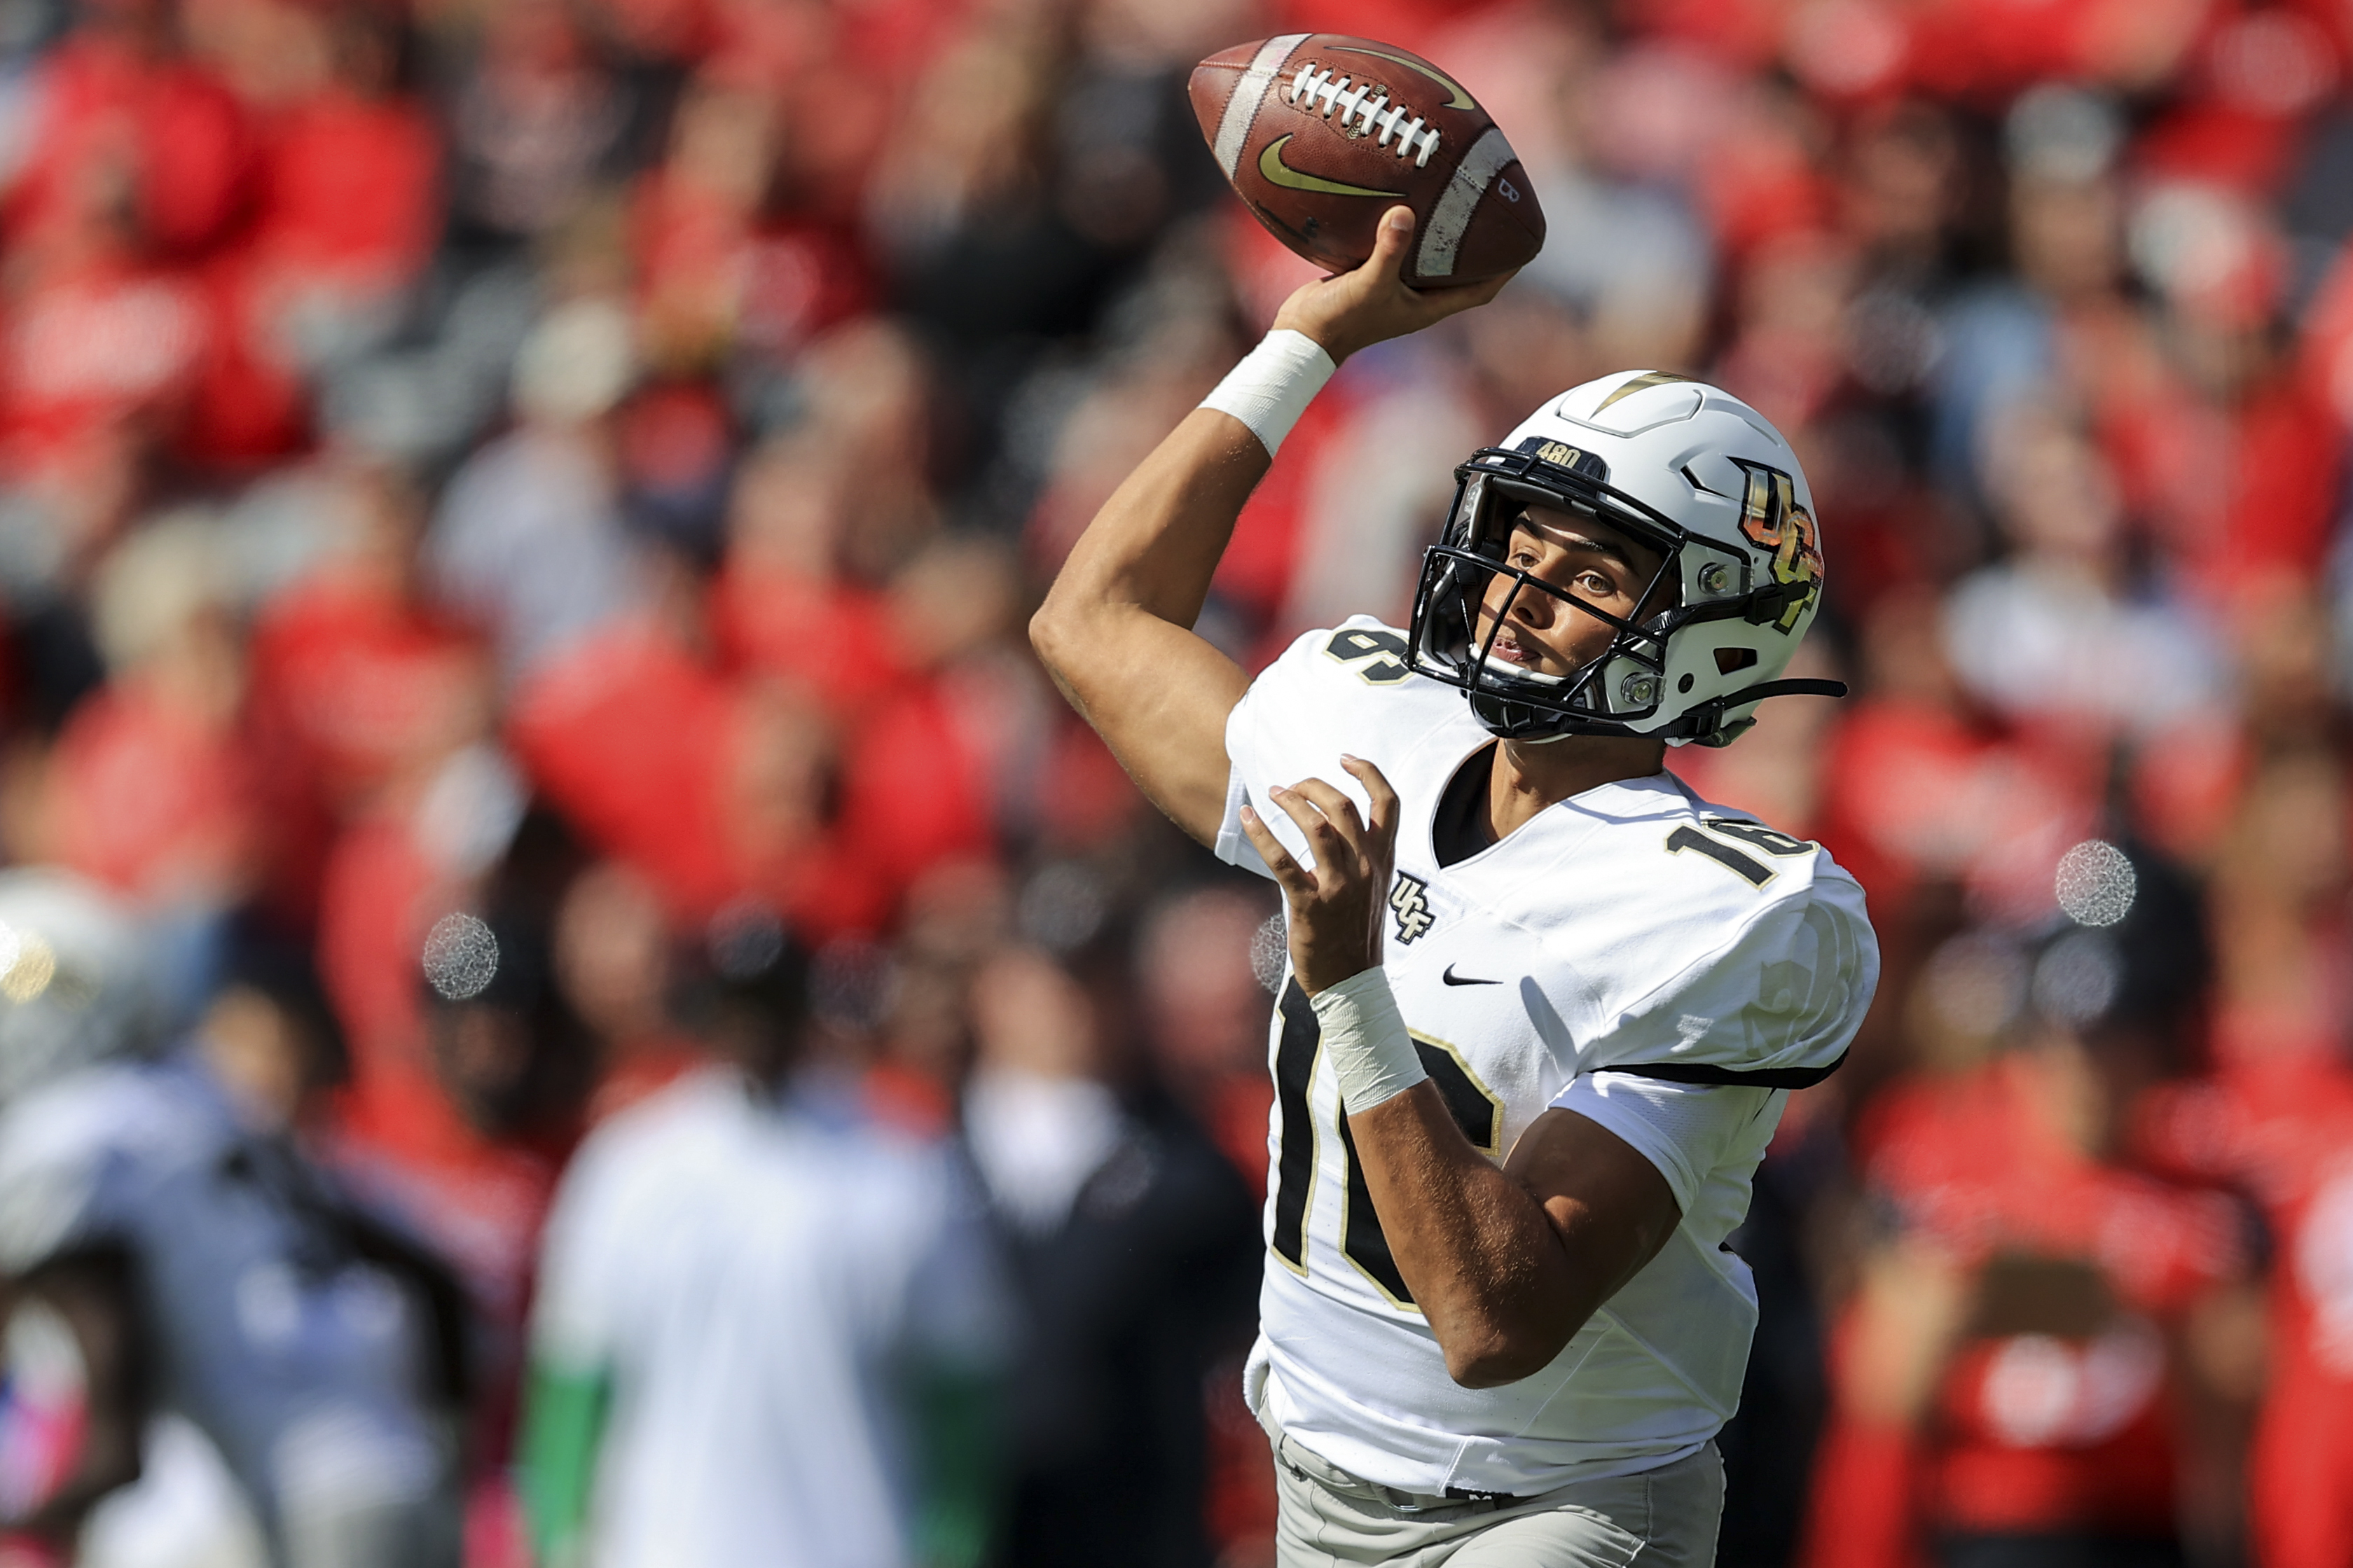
(1772, 518)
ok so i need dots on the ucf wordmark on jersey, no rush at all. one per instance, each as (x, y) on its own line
(1633, 931)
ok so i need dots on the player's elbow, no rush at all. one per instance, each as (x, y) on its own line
(1503, 1354)
(1050, 633)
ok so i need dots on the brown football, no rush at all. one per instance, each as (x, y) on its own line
(1321, 133)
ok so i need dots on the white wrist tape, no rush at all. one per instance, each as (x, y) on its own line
(1273, 385)
(1364, 1035)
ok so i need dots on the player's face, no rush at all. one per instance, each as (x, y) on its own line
(1581, 557)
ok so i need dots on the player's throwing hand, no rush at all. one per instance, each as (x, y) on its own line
(1350, 311)
(1335, 911)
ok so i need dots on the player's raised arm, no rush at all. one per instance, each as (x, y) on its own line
(1115, 632)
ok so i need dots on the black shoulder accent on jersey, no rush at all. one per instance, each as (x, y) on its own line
(1760, 1078)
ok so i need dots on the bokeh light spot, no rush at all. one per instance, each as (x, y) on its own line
(1269, 948)
(2095, 884)
(461, 957)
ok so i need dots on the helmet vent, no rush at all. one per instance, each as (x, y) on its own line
(1694, 480)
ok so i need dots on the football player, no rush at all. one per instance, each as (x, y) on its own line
(1543, 1004)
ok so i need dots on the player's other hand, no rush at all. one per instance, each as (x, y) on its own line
(1350, 311)
(1334, 911)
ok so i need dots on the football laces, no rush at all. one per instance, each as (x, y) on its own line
(1368, 104)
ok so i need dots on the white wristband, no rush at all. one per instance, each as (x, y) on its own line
(1364, 1034)
(1273, 385)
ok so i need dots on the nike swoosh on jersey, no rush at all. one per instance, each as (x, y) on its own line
(1278, 172)
(1454, 979)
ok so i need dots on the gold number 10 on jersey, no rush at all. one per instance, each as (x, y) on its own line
(1475, 1110)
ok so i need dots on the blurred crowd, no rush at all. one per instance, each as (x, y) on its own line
(575, 996)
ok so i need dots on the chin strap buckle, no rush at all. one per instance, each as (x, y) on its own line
(1770, 603)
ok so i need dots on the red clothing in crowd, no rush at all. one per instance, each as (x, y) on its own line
(349, 189)
(832, 639)
(368, 685)
(2282, 1131)
(1914, 791)
(197, 838)
(2030, 1431)
(93, 344)
(700, 782)
(345, 212)
(104, 112)
(379, 895)
(714, 274)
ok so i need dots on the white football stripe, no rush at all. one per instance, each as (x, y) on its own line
(1233, 126)
(1442, 236)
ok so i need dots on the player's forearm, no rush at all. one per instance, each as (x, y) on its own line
(1484, 1261)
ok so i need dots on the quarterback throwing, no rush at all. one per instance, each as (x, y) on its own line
(1544, 1005)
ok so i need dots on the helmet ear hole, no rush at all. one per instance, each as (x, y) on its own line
(1728, 659)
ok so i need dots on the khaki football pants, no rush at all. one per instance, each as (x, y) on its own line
(1327, 1517)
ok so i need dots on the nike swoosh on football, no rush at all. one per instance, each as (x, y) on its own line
(1454, 979)
(1278, 172)
(1457, 98)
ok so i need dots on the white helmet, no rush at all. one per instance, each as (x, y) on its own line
(1683, 467)
(74, 979)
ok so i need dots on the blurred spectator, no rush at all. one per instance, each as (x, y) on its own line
(2025, 1364)
(313, 1343)
(1200, 957)
(173, 708)
(537, 118)
(2271, 1122)
(372, 683)
(766, 1325)
(1132, 1242)
(529, 540)
(2057, 634)
(614, 967)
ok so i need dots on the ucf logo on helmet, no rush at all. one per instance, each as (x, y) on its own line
(1771, 519)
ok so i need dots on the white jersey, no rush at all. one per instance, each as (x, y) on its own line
(752, 1277)
(1699, 961)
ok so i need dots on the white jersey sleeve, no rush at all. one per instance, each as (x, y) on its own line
(1768, 997)
(1689, 1132)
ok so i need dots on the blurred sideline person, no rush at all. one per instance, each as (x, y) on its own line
(1499, 1324)
(768, 1328)
(318, 1350)
(1131, 1241)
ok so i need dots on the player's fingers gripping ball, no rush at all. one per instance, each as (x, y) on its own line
(1373, 302)
(1333, 910)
